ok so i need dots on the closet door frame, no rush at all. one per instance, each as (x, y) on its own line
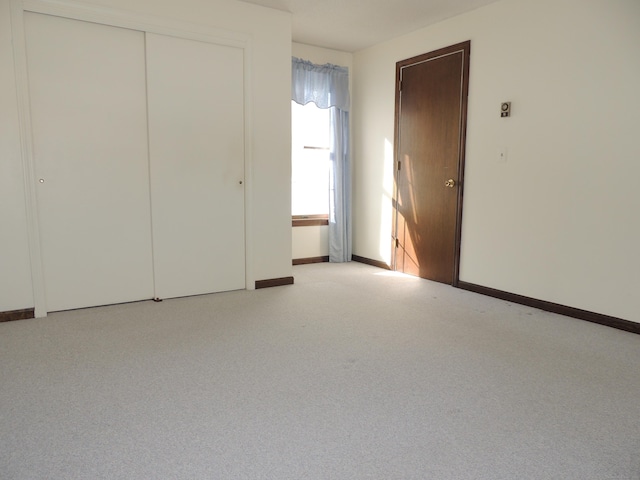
(133, 21)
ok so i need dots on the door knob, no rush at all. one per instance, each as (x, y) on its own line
(450, 183)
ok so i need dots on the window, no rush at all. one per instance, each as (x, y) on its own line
(310, 164)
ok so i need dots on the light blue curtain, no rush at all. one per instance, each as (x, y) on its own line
(328, 87)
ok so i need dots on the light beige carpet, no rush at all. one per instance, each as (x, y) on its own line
(351, 373)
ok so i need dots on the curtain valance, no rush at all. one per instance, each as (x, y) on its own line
(325, 85)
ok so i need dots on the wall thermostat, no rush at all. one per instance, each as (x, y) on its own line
(505, 109)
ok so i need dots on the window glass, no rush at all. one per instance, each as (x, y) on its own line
(310, 160)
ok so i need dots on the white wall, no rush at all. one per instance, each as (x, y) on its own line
(270, 221)
(309, 242)
(559, 220)
(313, 241)
(321, 55)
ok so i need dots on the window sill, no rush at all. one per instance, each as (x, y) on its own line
(309, 220)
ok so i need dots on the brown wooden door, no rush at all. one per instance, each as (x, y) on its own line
(431, 103)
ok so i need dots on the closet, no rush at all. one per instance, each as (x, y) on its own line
(138, 144)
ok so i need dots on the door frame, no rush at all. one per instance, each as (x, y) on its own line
(124, 19)
(465, 48)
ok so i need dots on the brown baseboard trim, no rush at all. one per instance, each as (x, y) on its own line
(593, 317)
(306, 261)
(12, 315)
(274, 282)
(368, 261)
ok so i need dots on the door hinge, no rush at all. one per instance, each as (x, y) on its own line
(399, 165)
(397, 243)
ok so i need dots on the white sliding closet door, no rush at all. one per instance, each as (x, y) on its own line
(196, 142)
(88, 101)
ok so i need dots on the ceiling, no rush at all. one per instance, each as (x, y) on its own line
(351, 25)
